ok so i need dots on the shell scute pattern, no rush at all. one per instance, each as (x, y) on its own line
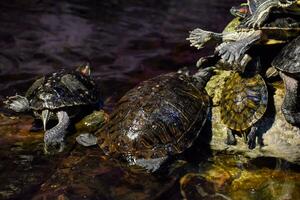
(61, 89)
(160, 123)
(288, 60)
(245, 101)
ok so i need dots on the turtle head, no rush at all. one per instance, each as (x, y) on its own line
(240, 11)
(203, 76)
(84, 69)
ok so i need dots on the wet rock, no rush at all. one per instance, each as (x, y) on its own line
(88, 174)
(236, 178)
(195, 186)
(23, 164)
(281, 140)
(92, 122)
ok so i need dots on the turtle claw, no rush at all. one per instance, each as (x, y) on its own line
(230, 140)
(252, 137)
(230, 52)
(54, 147)
(17, 103)
(198, 37)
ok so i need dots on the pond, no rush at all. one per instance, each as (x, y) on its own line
(125, 42)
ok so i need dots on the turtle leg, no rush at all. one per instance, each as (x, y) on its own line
(198, 37)
(17, 103)
(234, 52)
(55, 136)
(290, 106)
(252, 137)
(260, 15)
(230, 140)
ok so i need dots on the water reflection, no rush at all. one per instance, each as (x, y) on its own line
(125, 41)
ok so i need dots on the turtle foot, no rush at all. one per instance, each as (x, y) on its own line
(252, 138)
(232, 52)
(198, 37)
(291, 117)
(17, 103)
(54, 147)
(230, 140)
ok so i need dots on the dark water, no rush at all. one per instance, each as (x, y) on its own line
(124, 41)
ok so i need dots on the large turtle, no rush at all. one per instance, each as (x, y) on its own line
(59, 96)
(160, 117)
(288, 64)
(282, 26)
(243, 103)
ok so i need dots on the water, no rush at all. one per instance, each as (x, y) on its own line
(125, 42)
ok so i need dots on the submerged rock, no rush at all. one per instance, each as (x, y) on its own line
(281, 139)
(237, 178)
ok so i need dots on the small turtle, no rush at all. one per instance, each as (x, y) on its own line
(58, 96)
(160, 117)
(288, 64)
(244, 101)
(280, 28)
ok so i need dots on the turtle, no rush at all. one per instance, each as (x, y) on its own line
(281, 27)
(261, 9)
(58, 96)
(244, 102)
(160, 117)
(287, 62)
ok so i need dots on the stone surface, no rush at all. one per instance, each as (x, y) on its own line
(281, 140)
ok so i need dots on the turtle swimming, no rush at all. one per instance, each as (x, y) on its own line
(282, 26)
(57, 96)
(160, 117)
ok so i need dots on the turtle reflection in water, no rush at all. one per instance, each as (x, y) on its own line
(57, 96)
(160, 117)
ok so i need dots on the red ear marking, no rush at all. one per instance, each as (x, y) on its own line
(85, 70)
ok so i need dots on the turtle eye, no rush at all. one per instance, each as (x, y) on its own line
(85, 70)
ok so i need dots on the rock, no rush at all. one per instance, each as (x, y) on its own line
(92, 122)
(281, 139)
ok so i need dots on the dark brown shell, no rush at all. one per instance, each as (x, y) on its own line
(288, 60)
(161, 116)
(60, 90)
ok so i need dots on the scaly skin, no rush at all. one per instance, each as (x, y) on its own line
(261, 14)
(17, 103)
(290, 107)
(55, 136)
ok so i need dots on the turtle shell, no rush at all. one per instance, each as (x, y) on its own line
(161, 116)
(244, 101)
(288, 60)
(60, 90)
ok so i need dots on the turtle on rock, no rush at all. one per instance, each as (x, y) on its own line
(57, 96)
(287, 62)
(160, 117)
(243, 103)
(283, 25)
